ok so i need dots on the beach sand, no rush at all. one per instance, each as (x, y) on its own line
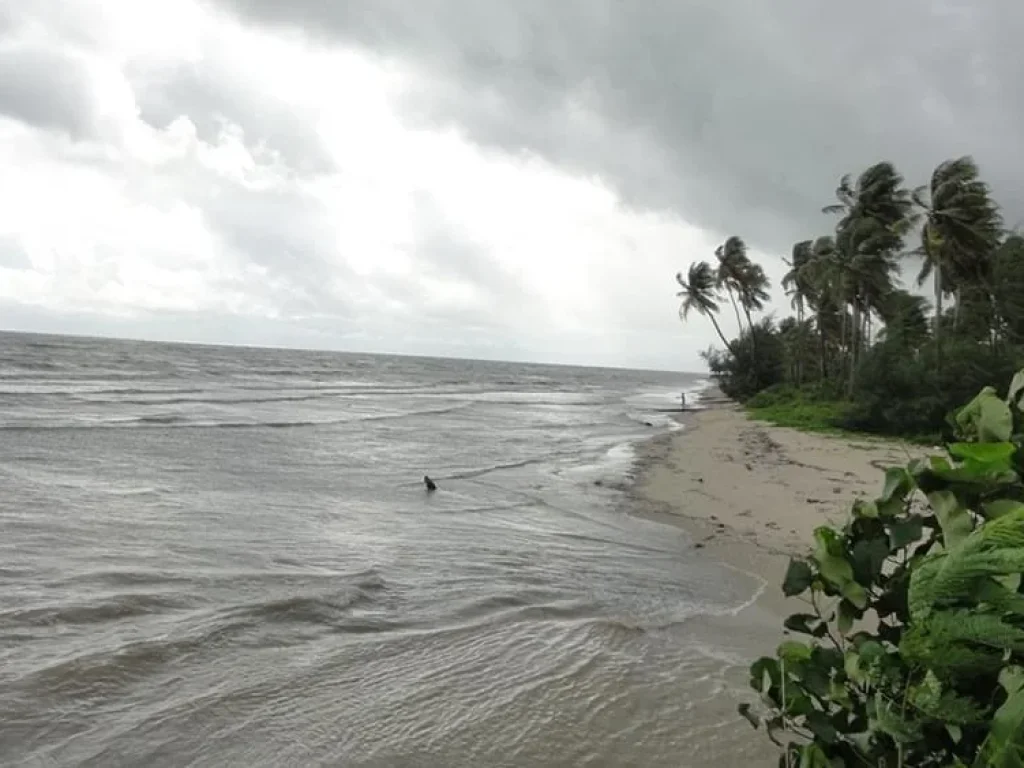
(749, 495)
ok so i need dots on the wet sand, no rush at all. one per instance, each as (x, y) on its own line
(750, 495)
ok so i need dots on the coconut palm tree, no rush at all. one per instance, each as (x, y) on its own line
(753, 293)
(962, 228)
(796, 281)
(906, 318)
(732, 263)
(876, 213)
(698, 295)
(878, 194)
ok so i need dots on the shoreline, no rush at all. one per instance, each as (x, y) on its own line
(734, 483)
(748, 495)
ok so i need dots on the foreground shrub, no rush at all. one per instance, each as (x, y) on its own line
(914, 625)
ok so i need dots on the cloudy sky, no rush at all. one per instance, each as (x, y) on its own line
(482, 178)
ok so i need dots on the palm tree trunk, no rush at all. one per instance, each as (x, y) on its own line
(735, 308)
(721, 335)
(753, 337)
(854, 347)
(821, 346)
(844, 347)
(799, 345)
(938, 318)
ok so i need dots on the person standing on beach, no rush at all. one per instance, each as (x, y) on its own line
(682, 401)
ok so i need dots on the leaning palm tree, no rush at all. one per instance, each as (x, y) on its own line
(732, 262)
(876, 212)
(961, 230)
(698, 295)
(753, 290)
(878, 194)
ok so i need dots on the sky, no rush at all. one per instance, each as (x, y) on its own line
(468, 178)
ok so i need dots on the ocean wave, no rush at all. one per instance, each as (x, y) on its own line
(470, 474)
(109, 608)
(312, 609)
(180, 421)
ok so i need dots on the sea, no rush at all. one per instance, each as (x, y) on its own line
(221, 556)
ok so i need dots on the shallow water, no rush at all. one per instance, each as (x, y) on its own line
(214, 556)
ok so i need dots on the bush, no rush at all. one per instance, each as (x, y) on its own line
(905, 392)
(915, 615)
(809, 408)
(755, 362)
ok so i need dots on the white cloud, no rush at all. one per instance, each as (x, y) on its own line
(191, 167)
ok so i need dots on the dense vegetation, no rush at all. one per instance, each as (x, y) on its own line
(914, 618)
(860, 351)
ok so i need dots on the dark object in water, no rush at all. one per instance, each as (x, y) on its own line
(431, 485)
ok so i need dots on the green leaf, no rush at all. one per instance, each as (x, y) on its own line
(821, 727)
(869, 555)
(898, 483)
(855, 593)
(984, 453)
(764, 674)
(905, 532)
(953, 517)
(1004, 746)
(830, 557)
(888, 720)
(807, 624)
(793, 652)
(986, 417)
(871, 651)
(851, 666)
(1001, 507)
(797, 579)
(847, 615)
(863, 508)
(812, 756)
(996, 421)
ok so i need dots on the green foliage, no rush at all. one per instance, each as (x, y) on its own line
(756, 361)
(812, 408)
(911, 649)
(898, 393)
(855, 329)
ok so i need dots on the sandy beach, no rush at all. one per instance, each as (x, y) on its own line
(751, 494)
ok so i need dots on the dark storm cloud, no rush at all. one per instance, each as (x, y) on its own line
(46, 89)
(738, 114)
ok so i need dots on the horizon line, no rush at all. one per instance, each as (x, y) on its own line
(270, 347)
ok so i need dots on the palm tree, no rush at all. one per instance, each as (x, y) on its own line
(961, 230)
(823, 274)
(1008, 289)
(753, 293)
(699, 294)
(796, 281)
(878, 194)
(732, 262)
(906, 318)
(876, 212)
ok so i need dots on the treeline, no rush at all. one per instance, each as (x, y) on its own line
(883, 358)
